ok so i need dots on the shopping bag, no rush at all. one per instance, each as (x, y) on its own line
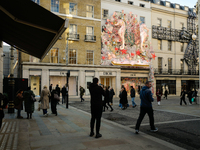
(39, 106)
(192, 99)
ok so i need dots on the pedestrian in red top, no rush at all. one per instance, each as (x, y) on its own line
(158, 94)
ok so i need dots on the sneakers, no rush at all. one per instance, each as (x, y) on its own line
(155, 130)
(98, 135)
(136, 131)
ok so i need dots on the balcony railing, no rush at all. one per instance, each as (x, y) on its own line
(90, 38)
(158, 71)
(73, 37)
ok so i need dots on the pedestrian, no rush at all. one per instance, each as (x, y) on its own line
(158, 94)
(54, 101)
(106, 99)
(146, 107)
(44, 99)
(123, 98)
(96, 93)
(28, 103)
(194, 95)
(182, 97)
(82, 91)
(3, 104)
(166, 93)
(111, 94)
(190, 97)
(18, 103)
(64, 93)
(133, 97)
(50, 87)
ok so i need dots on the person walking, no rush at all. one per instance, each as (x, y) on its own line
(133, 97)
(123, 98)
(82, 91)
(64, 93)
(44, 99)
(106, 99)
(182, 97)
(54, 101)
(158, 94)
(166, 93)
(146, 107)
(28, 103)
(3, 104)
(111, 94)
(18, 103)
(190, 97)
(96, 93)
(50, 87)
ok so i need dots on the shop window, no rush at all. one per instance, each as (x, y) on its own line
(73, 8)
(54, 56)
(72, 56)
(90, 11)
(90, 58)
(55, 5)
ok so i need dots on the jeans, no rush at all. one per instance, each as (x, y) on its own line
(44, 111)
(82, 99)
(133, 102)
(63, 99)
(18, 112)
(143, 111)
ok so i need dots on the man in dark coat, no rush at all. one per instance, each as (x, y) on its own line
(146, 107)
(58, 90)
(133, 97)
(64, 92)
(50, 87)
(111, 94)
(96, 93)
(28, 103)
(182, 97)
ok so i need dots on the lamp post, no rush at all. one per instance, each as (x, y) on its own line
(67, 87)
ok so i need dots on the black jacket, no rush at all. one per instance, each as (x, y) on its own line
(133, 92)
(3, 103)
(64, 91)
(96, 93)
(58, 90)
(123, 98)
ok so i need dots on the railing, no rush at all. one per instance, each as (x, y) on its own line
(90, 38)
(175, 72)
(71, 36)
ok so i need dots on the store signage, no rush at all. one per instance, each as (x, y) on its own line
(132, 74)
(107, 73)
(63, 73)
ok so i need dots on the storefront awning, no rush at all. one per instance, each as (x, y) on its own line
(29, 27)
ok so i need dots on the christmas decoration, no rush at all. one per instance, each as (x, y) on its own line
(126, 42)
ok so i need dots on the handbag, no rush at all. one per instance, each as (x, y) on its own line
(33, 98)
(192, 99)
(56, 97)
(39, 106)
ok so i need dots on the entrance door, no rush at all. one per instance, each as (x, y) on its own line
(106, 81)
(35, 84)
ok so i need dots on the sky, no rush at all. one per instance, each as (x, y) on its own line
(189, 3)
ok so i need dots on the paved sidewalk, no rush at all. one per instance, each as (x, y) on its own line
(70, 130)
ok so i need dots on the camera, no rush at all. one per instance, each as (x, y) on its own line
(3, 55)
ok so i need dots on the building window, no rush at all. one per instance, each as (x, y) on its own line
(89, 31)
(104, 13)
(182, 46)
(54, 56)
(159, 44)
(36, 1)
(142, 5)
(182, 25)
(170, 64)
(90, 11)
(130, 2)
(182, 65)
(73, 8)
(159, 22)
(169, 45)
(73, 29)
(72, 56)
(89, 58)
(55, 5)
(118, 0)
(160, 64)
(142, 20)
(169, 24)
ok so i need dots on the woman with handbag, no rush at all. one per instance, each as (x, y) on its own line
(44, 99)
(158, 94)
(54, 101)
(29, 99)
(18, 102)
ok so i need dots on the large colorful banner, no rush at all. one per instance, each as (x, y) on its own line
(126, 42)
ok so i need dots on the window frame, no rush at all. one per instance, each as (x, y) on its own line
(53, 7)
(92, 30)
(159, 19)
(170, 65)
(72, 28)
(54, 56)
(71, 50)
(144, 19)
(160, 64)
(131, 2)
(88, 59)
(169, 24)
(75, 9)
(103, 14)
(182, 64)
(169, 45)
(89, 11)
(160, 47)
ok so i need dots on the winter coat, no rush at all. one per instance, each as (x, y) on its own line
(53, 100)
(111, 93)
(44, 99)
(28, 103)
(82, 91)
(106, 97)
(158, 94)
(146, 97)
(58, 90)
(182, 95)
(96, 93)
(18, 102)
(123, 97)
(133, 92)
(64, 91)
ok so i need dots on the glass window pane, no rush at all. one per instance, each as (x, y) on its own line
(55, 5)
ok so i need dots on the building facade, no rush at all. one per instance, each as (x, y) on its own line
(172, 28)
